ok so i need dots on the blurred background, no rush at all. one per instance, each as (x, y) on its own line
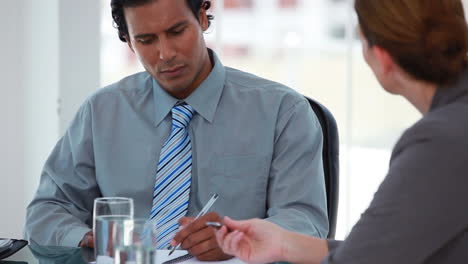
(55, 53)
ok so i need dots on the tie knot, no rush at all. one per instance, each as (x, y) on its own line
(181, 115)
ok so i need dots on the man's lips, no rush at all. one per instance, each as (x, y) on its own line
(174, 71)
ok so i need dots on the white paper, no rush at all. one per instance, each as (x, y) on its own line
(162, 255)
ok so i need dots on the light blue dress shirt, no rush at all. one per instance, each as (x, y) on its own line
(256, 143)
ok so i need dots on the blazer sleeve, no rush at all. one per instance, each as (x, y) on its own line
(416, 209)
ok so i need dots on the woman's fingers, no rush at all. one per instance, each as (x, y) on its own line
(227, 243)
(236, 225)
(235, 242)
(224, 239)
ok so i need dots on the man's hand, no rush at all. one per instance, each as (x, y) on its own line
(88, 240)
(198, 239)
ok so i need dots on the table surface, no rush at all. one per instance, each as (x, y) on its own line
(34, 254)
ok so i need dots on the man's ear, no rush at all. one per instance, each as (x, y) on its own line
(384, 58)
(129, 43)
(203, 19)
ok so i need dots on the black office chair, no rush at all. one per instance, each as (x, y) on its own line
(330, 158)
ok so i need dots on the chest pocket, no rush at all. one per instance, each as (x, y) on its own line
(241, 182)
(240, 167)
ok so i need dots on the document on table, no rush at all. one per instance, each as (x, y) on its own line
(179, 256)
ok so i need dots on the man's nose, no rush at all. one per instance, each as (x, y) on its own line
(167, 50)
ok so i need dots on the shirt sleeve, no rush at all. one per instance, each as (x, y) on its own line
(296, 192)
(61, 211)
(416, 210)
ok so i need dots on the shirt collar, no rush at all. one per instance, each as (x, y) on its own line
(204, 99)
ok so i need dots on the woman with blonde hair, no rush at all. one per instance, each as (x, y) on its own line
(416, 49)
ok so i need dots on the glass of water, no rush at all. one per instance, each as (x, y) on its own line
(108, 213)
(135, 242)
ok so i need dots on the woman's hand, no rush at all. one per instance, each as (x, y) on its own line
(252, 241)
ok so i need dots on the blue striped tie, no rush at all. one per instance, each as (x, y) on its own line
(172, 188)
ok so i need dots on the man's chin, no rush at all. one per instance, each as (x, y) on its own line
(179, 91)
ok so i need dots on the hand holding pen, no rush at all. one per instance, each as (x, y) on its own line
(202, 212)
(197, 238)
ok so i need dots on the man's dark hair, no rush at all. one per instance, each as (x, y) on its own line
(117, 7)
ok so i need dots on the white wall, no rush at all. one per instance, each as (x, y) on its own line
(50, 54)
(79, 71)
(41, 82)
(11, 111)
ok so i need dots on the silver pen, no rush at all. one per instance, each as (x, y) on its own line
(203, 211)
(216, 225)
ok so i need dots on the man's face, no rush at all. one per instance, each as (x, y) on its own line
(168, 41)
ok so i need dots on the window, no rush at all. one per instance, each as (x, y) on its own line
(287, 3)
(238, 4)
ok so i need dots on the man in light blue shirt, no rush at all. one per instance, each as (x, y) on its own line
(255, 142)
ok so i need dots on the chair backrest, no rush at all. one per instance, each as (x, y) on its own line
(330, 158)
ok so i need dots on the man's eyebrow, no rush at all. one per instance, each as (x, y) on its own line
(172, 28)
(144, 35)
